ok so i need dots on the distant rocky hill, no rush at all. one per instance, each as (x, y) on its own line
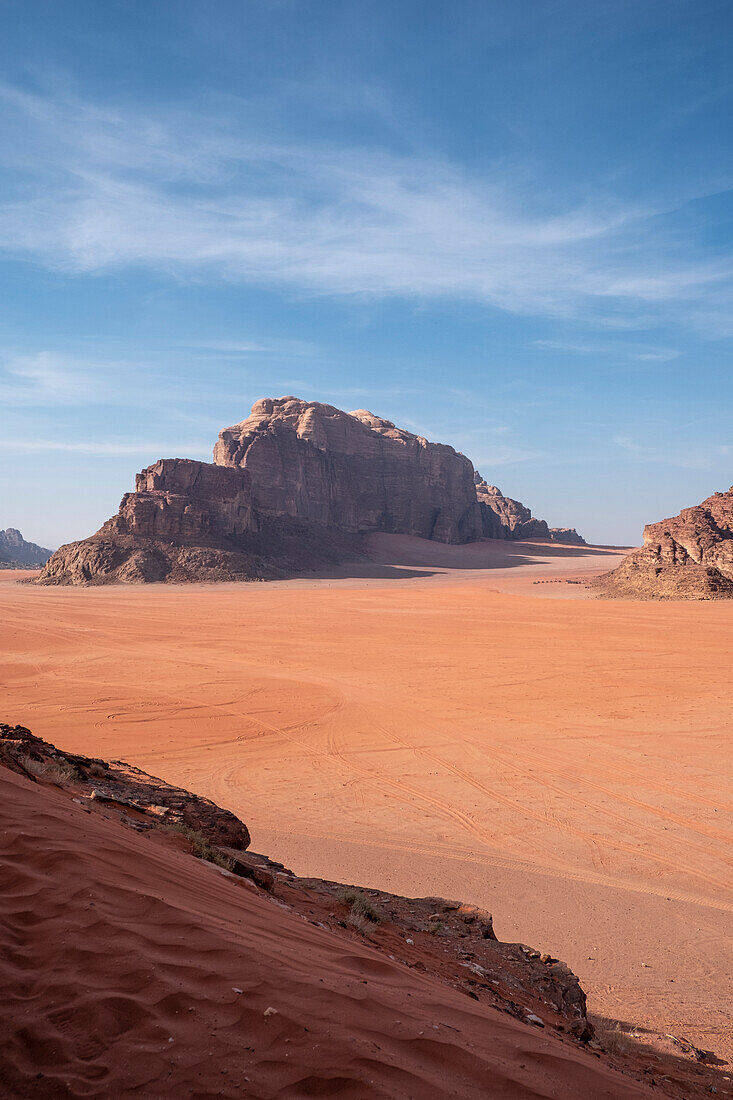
(15, 551)
(292, 487)
(504, 518)
(687, 557)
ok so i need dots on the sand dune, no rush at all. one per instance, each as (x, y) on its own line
(130, 968)
(436, 728)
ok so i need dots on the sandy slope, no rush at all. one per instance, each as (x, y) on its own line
(130, 969)
(560, 762)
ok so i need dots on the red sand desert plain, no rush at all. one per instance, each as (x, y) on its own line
(430, 724)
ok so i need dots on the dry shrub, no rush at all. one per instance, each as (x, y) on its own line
(58, 772)
(615, 1040)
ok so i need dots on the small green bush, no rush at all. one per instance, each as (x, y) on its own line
(363, 915)
(201, 847)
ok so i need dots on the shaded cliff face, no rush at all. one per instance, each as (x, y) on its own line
(180, 523)
(689, 556)
(351, 471)
(193, 521)
(177, 499)
(504, 518)
(14, 550)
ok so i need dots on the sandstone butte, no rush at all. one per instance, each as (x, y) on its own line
(293, 487)
(687, 557)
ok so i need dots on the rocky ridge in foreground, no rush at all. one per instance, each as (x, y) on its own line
(293, 487)
(145, 970)
(689, 556)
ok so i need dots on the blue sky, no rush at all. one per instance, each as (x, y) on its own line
(506, 226)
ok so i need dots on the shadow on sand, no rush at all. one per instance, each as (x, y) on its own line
(401, 557)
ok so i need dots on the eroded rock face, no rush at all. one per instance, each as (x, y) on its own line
(687, 557)
(567, 535)
(185, 521)
(177, 499)
(352, 471)
(15, 551)
(504, 518)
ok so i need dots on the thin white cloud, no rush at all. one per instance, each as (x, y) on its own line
(102, 447)
(47, 378)
(682, 456)
(98, 189)
(638, 352)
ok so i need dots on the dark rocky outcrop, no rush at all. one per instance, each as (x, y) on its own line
(183, 522)
(115, 783)
(15, 552)
(567, 535)
(293, 487)
(504, 518)
(352, 471)
(689, 556)
(457, 939)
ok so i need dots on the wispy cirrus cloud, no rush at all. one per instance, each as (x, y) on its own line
(107, 447)
(96, 189)
(643, 353)
(683, 456)
(48, 378)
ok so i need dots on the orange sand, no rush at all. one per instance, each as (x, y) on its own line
(559, 761)
(130, 969)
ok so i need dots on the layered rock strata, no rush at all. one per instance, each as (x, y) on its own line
(352, 471)
(689, 556)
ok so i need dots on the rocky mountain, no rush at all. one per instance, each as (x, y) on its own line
(194, 521)
(352, 471)
(292, 487)
(504, 518)
(15, 551)
(687, 557)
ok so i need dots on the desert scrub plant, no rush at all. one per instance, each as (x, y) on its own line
(97, 770)
(201, 847)
(363, 915)
(58, 772)
(615, 1040)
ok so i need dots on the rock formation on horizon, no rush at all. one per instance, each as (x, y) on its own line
(504, 518)
(292, 487)
(689, 556)
(16, 552)
(353, 471)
